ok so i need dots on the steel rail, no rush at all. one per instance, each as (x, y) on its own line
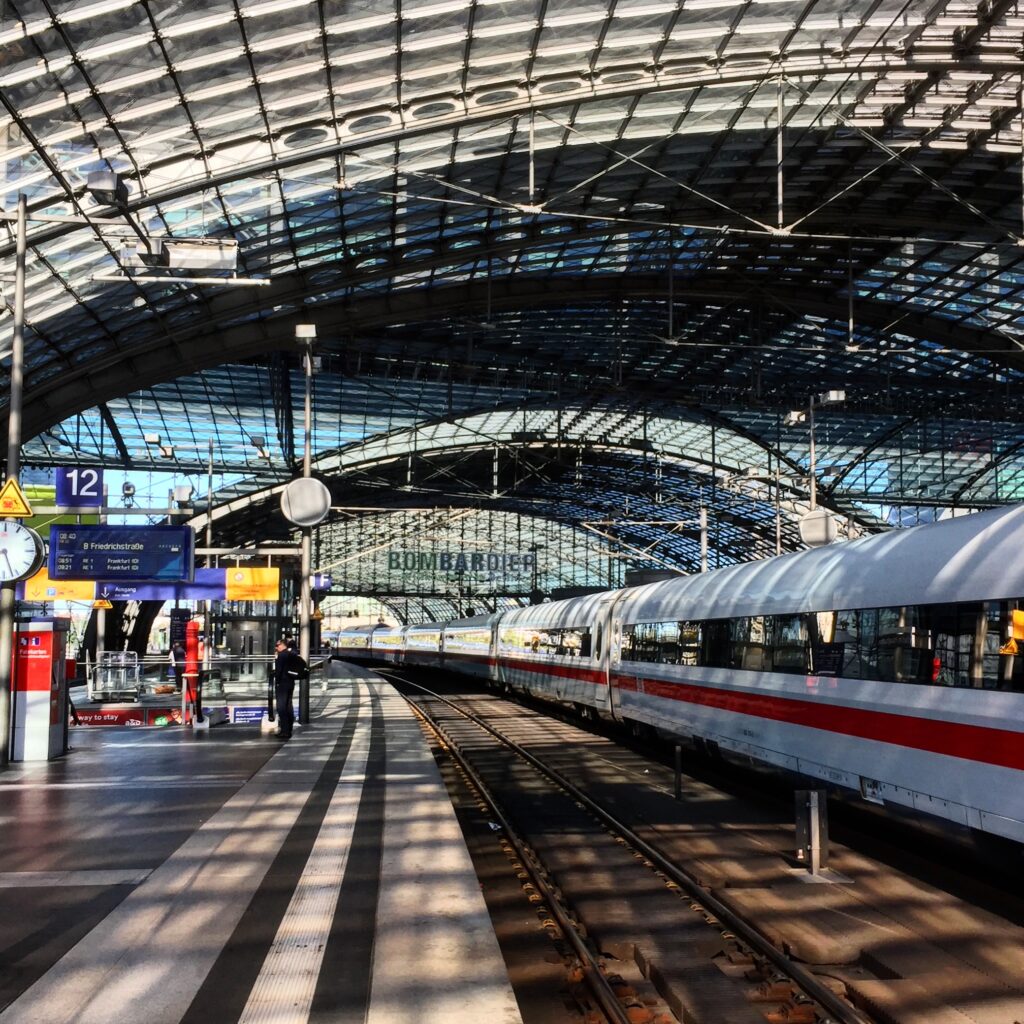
(842, 1011)
(599, 984)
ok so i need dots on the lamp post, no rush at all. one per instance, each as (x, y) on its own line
(305, 335)
(817, 526)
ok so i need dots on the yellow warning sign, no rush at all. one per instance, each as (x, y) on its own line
(13, 502)
(1010, 647)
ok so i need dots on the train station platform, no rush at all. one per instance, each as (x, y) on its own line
(163, 876)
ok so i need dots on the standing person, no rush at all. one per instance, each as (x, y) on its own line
(177, 659)
(288, 668)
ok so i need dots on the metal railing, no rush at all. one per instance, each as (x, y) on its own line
(122, 675)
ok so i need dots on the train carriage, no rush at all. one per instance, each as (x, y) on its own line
(353, 644)
(873, 665)
(423, 644)
(558, 650)
(468, 646)
(387, 643)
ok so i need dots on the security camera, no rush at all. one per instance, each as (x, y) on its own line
(127, 490)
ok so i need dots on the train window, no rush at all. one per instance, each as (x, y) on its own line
(1000, 671)
(689, 643)
(954, 630)
(945, 645)
(790, 642)
(597, 641)
(716, 650)
(750, 641)
(562, 642)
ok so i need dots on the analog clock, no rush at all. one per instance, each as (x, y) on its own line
(21, 551)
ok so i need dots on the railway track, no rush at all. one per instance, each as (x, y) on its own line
(617, 894)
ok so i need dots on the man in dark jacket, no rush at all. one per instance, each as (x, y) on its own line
(288, 668)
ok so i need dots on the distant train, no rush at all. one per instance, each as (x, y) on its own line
(887, 666)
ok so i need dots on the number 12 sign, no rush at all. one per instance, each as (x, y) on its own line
(79, 487)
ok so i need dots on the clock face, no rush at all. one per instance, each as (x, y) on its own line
(21, 551)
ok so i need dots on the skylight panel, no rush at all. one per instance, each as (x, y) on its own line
(353, 26)
(435, 40)
(259, 8)
(291, 70)
(203, 24)
(274, 42)
(116, 46)
(504, 29)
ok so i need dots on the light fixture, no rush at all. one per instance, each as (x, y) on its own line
(831, 397)
(199, 253)
(151, 438)
(163, 253)
(795, 416)
(167, 451)
(259, 443)
(106, 187)
(183, 493)
(305, 334)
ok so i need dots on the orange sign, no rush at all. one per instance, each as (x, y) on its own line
(41, 588)
(13, 502)
(253, 584)
(1017, 624)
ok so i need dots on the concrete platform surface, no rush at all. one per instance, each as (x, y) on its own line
(167, 877)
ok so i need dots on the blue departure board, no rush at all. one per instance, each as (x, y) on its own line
(122, 553)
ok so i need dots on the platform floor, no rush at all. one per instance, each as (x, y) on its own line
(159, 876)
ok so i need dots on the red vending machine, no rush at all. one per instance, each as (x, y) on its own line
(39, 696)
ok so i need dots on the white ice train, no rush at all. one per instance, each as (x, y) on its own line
(885, 666)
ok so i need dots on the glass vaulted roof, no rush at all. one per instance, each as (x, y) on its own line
(564, 257)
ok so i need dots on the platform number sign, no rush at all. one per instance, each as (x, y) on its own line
(80, 487)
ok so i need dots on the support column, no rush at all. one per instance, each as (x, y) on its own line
(7, 602)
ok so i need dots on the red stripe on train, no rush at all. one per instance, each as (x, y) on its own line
(1001, 747)
(971, 742)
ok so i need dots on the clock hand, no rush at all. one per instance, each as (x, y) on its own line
(10, 568)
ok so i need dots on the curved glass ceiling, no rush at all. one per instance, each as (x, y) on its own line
(645, 230)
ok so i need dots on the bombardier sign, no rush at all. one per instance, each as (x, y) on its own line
(462, 561)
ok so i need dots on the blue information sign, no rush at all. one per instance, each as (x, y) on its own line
(207, 585)
(121, 553)
(79, 487)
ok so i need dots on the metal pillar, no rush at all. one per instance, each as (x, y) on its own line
(813, 466)
(779, 160)
(7, 602)
(812, 829)
(305, 593)
(208, 605)
(703, 539)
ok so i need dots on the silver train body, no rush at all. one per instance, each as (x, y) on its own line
(884, 666)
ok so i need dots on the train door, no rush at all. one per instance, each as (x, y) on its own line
(493, 671)
(611, 619)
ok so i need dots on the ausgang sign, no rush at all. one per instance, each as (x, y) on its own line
(462, 561)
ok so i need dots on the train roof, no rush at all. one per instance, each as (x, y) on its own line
(966, 558)
(474, 620)
(557, 613)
